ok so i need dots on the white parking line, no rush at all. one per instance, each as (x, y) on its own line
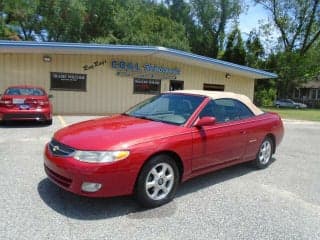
(62, 121)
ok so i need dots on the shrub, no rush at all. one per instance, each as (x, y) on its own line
(265, 97)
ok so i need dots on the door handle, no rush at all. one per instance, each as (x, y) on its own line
(243, 132)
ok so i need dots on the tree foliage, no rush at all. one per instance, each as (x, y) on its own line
(213, 16)
(254, 50)
(99, 19)
(235, 51)
(140, 23)
(62, 20)
(298, 22)
(23, 15)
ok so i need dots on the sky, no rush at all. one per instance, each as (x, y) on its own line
(249, 20)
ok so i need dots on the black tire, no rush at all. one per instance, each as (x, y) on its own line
(155, 194)
(264, 155)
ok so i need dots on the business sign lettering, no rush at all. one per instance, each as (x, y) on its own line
(68, 81)
(132, 69)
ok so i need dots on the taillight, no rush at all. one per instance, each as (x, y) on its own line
(5, 102)
(43, 103)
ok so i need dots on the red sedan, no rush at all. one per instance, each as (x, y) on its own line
(25, 103)
(150, 149)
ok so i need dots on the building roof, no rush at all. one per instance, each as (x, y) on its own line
(221, 94)
(311, 84)
(159, 52)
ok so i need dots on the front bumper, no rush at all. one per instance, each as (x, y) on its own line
(116, 178)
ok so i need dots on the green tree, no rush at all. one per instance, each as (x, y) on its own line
(235, 51)
(62, 20)
(24, 16)
(295, 59)
(139, 22)
(254, 50)
(180, 11)
(212, 17)
(298, 22)
(98, 19)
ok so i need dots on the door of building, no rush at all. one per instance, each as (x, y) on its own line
(176, 85)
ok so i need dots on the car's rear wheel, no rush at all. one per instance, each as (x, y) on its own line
(264, 154)
(157, 182)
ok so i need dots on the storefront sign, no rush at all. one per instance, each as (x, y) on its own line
(94, 64)
(68, 81)
(134, 68)
(146, 86)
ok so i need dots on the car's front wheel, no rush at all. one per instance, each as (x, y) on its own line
(264, 154)
(157, 182)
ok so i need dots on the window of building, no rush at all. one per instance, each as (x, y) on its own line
(68, 81)
(313, 93)
(296, 93)
(213, 87)
(176, 85)
(146, 86)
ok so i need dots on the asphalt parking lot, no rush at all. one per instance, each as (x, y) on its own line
(280, 202)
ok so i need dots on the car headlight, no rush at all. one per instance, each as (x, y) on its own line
(100, 156)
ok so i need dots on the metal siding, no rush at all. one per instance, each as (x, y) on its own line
(106, 92)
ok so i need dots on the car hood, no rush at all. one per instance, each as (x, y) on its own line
(111, 133)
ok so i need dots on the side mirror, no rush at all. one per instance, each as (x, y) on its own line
(50, 96)
(205, 121)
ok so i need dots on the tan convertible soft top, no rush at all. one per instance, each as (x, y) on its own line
(218, 95)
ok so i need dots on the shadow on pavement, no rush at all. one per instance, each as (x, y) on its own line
(84, 208)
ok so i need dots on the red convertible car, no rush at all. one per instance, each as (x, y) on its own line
(25, 103)
(150, 149)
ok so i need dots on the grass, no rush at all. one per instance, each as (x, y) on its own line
(298, 114)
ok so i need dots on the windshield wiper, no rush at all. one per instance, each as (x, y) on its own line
(151, 119)
(139, 116)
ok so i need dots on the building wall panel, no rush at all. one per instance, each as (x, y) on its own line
(106, 92)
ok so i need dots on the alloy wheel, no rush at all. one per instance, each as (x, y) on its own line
(159, 181)
(265, 152)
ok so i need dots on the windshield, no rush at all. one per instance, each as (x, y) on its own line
(170, 108)
(25, 91)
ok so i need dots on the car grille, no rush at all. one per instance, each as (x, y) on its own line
(65, 182)
(59, 149)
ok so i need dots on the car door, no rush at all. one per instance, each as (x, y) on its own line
(224, 141)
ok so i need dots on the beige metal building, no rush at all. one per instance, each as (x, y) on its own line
(102, 79)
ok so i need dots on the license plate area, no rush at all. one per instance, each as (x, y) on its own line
(24, 107)
(18, 101)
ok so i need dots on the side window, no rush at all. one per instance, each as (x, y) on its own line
(245, 112)
(207, 111)
(212, 109)
(225, 110)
